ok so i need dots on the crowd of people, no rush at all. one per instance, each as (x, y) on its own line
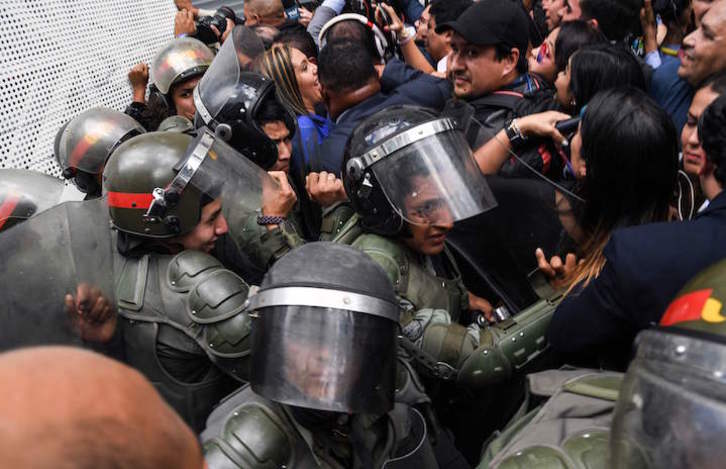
(412, 233)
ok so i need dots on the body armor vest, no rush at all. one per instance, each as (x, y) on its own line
(412, 280)
(249, 431)
(570, 430)
(155, 293)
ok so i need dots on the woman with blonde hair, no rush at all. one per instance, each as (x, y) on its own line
(296, 78)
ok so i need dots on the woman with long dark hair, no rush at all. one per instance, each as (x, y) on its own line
(625, 155)
(595, 68)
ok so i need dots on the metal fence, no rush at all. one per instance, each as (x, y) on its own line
(60, 57)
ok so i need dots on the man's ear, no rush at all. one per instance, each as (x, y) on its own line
(510, 62)
(326, 96)
(593, 22)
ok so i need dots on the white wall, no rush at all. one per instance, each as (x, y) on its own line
(60, 57)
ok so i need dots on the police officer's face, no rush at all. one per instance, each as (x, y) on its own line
(428, 217)
(211, 226)
(315, 371)
(277, 132)
(183, 97)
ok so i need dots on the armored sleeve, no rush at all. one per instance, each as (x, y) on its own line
(433, 332)
(247, 431)
(264, 247)
(507, 347)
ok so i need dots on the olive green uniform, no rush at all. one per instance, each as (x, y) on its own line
(432, 304)
(183, 326)
(251, 432)
(264, 247)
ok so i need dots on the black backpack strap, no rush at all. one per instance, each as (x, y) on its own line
(502, 99)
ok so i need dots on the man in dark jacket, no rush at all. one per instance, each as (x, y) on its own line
(646, 266)
(352, 91)
(488, 65)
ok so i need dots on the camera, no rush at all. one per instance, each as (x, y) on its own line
(206, 34)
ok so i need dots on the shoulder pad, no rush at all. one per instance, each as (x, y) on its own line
(186, 268)
(218, 303)
(218, 296)
(253, 437)
(387, 253)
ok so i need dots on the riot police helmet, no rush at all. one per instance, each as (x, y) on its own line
(406, 164)
(324, 331)
(24, 193)
(179, 60)
(134, 172)
(672, 404)
(228, 100)
(157, 183)
(85, 142)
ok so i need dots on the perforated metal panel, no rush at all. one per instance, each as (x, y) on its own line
(61, 57)
(236, 5)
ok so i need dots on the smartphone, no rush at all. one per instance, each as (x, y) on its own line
(291, 9)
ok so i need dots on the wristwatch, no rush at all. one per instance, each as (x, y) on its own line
(263, 220)
(513, 133)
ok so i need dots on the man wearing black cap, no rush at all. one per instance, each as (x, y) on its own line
(488, 62)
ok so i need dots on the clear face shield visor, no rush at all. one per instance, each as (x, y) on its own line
(220, 172)
(220, 83)
(428, 174)
(324, 349)
(59, 257)
(26, 193)
(671, 404)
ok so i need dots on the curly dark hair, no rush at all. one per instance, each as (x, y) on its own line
(712, 133)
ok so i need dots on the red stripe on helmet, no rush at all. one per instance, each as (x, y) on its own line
(7, 207)
(79, 151)
(129, 200)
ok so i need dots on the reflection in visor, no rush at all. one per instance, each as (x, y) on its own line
(178, 57)
(434, 181)
(7, 206)
(96, 132)
(324, 358)
(183, 60)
